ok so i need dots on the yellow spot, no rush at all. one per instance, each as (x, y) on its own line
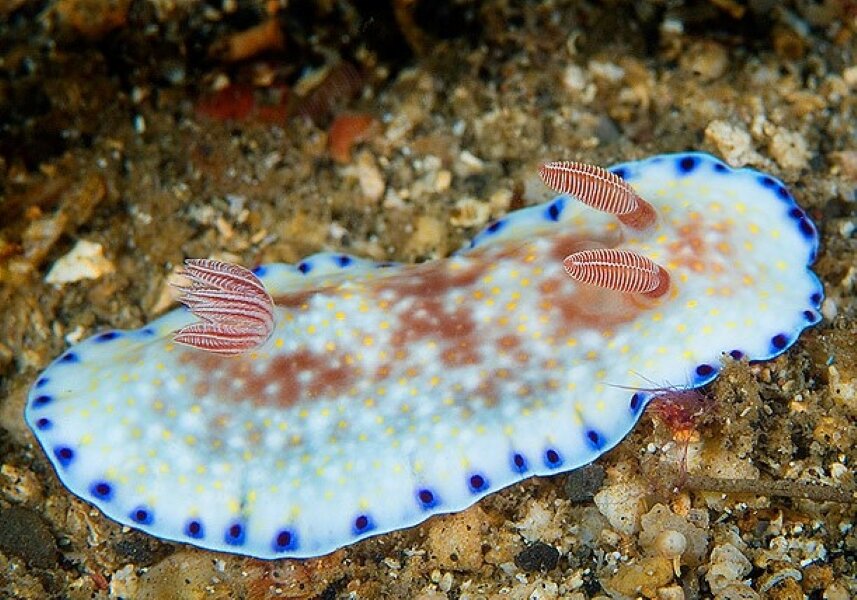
(141, 469)
(657, 317)
(368, 341)
(310, 329)
(158, 405)
(692, 304)
(571, 342)
(200, 469)
(86, 439)
(339, 316)
(781, 265)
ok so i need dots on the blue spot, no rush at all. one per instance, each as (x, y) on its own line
(142, 515)
(107, 336)
(783, 193)
(555, 209)
(304, 267)
(779, 341)
(621, 172)
(477, 483)
(806, 228)
(519, 463)
(64, 454)
(815, 299)
(69, 357)
(344, 260)
(43, 400)
(796, 213)
(102, 490)
(260, 271)
(363, 523)
(285, 540)
(234, 535)
(688, 164)
(552, 459)
(636, 402)
(595, 439)
(767, 181)
(495, 227)
(194, 529)
(704, 370)
(810, 316)
(42, 382)
(44, 424)
(736, 354)
(427, 498)
(720, 167)
(148, 331)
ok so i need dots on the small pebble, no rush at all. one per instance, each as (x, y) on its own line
(583, 483)
(537, 557)
(24, 534)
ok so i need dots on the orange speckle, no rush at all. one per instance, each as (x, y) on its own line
(345, 131)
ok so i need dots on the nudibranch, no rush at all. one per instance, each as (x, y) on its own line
(301, 408)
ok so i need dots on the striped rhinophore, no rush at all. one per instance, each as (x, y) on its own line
(236, 311)
(616, 269)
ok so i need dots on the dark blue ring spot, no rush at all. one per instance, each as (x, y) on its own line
(720, 167)
(43, 400)
(234, 535)
(260, 270)
(284, 540)
(595, 439)
(44, 424)
(555, 210)
(806, 228)
(194, 529)
(688, 164)
(809, 316)
(704, 370)
(620, 172)
(796, 213)
(477, 483)
(64, 454)
(102, 490)
(552, 458)
(362, 524)
(427, 498)
(736, 354)
(780, 341)
(42, 382)
(69, 357)
(148, 331)
(343, 260)
(783, 193)
(107, 336)
(495, 226)
(636, 401)
(519, 463)
(304, 267)
(768, 182)
(142, 515)
(815, 299)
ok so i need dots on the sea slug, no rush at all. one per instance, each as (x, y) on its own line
(347, 398)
